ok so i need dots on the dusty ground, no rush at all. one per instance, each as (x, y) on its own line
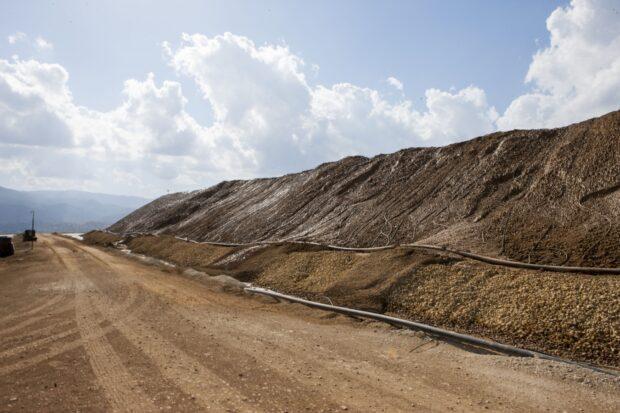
(84, 329)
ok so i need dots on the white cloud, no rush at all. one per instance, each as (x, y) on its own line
(578, 75)
(39, 43)
(464, 114)
(33, 98)
(269, 117)
(48, 140)
(395, 83)
(267, 120)
(16, 37)
(351, 120)
(42, 44)
(268, 111)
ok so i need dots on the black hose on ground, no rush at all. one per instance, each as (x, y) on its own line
(473, 256)
(516, 264)
(435, 331)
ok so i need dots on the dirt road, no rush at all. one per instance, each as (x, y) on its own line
(84, 329)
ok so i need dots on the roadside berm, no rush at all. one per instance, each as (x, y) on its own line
(569, 315)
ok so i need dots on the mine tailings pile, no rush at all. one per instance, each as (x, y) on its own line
(540, 196)
(550, 196)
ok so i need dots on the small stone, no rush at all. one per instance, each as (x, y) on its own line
(343, 407)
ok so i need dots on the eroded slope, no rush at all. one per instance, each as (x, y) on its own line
(548, 196)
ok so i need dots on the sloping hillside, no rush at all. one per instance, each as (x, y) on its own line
(548, 196)
(65, 211)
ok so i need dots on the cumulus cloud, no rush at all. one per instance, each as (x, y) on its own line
(578, 75)
(156, 117)
(267, 119)
(271, 116)
(33, 98)
(45, 137)
(265, 106)
(395, 83)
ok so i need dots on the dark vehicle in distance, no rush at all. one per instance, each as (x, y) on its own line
(30, 235)
(6, 247)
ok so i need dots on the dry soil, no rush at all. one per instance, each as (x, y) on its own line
(85, 329)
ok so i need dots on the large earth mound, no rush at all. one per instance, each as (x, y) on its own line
(549, 196)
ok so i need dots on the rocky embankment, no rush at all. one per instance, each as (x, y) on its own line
(569, 315)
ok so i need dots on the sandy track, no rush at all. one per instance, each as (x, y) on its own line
(119, 386)
(139, 338)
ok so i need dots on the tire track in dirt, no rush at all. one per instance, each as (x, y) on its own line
(38, 305)
(131, 304)
(119, 386)
(121, 389)
(121, 310)
(50, 303)
(227, 354)
(188, 374)
(36, 344)
(288, 354)
(228, 357)
(58, 347)
(134, 304)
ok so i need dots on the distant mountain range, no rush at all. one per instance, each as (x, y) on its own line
(62, 211)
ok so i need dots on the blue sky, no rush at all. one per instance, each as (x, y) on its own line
(422, 43)
(270, 87)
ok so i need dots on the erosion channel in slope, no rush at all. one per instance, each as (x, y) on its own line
(547, 196)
